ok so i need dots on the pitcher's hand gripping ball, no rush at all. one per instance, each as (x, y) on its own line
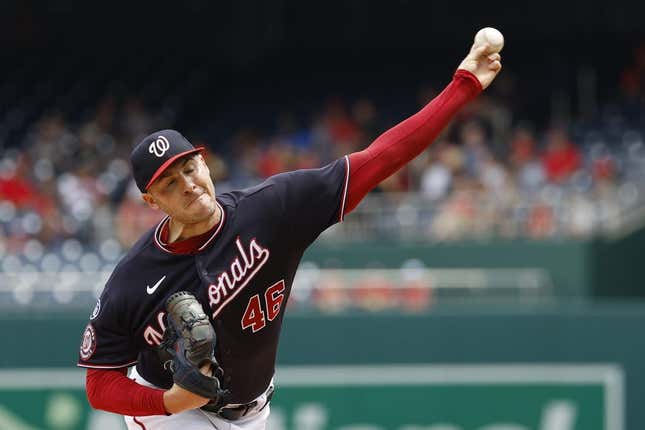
(188, 345)
(492, 36)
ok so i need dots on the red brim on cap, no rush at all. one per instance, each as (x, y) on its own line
(168, 162)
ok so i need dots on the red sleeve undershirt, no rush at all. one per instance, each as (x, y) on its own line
(403, 142)
(112, 391)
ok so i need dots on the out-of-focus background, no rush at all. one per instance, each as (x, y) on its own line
(496, 282)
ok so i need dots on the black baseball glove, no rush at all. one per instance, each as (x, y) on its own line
(188, 345)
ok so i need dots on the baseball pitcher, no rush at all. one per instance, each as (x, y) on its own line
(195, 308)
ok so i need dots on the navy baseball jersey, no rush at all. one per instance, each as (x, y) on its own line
(242, 276)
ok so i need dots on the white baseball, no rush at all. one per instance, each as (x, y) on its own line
(492, 36)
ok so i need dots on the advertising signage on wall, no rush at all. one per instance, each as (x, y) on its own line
(391, 397)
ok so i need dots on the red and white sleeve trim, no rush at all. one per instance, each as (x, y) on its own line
(341, 216)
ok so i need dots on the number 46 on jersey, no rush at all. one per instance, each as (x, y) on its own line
(254, 316)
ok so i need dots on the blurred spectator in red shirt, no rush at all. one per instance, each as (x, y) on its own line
(16, 190)
(561, 157)
(522, 146)
(341, 129)
(15, 185)
(273, 160)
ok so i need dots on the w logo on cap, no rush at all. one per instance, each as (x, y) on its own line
(159, 146)
(166, 146)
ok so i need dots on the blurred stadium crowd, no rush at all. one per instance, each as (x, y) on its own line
(66, 197)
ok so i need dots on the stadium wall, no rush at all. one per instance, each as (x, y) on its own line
(618, 269)
(568, 262)
(604, 267)
(608, 335)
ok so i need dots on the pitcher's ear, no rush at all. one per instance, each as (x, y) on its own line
(150, 200)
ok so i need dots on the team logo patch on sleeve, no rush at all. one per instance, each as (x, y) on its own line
(89, 342)
(97, 309)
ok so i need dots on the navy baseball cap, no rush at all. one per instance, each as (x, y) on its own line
(155, 153)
